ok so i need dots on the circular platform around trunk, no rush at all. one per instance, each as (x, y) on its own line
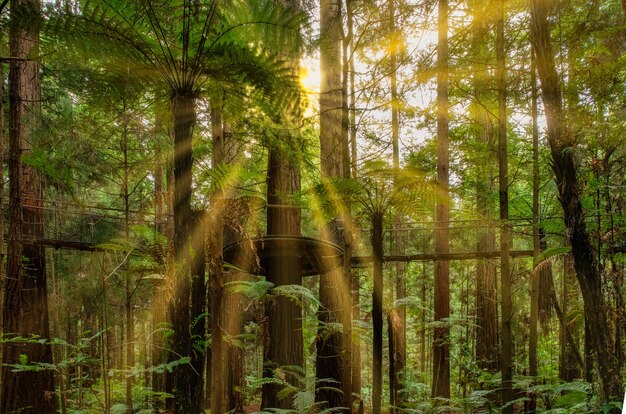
(314, 256)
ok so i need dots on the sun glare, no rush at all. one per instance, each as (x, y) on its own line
(310, 75)
(310, 82)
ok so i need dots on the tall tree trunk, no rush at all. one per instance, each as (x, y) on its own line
(398, 356)
(376, 238)
(180, 385)
(283, 315)
(129, 334)
(486, 273)
(2, 200)
(441, 338)
(283, 339)
(397, 359)
(534, 277)
(25, 311)
(333, 358)
(506, 350)
(486, 306)
(355, 282)
(356, 343)
(157, 354)
(561, 142)
(198, 309)
(233, 303)
(567, 335)
(568, 369)
(219, 362)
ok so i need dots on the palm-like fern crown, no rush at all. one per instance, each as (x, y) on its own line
(183, 43)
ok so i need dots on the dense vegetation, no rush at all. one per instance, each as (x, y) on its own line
(311, 207)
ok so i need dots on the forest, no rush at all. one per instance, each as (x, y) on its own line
(302, 206)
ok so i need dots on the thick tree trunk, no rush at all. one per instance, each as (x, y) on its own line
(235, 376)
(531, 405)
(283, 315)
(158, 341)
(506, 350)
(220, 401)
(25, 311)
(198, 309)
(333, 358)
(486, 273)
(376, 239)
(441, 339)
(569, 354)
(2, 200)
(486, 306)
(398, 359)
(561, 142)
(158, 354)
(180, 385)
(330, 89)
(356, 343)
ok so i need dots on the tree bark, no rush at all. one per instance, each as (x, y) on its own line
(158, 354)
(183, 103)
(333, 360)
(569, 355)
(533, 337)
(562, 143)
(284, 317)
(25, 310)
(220, 401)
(506, 350)
(534, 285)
(2, 201)
(441, 338)
(398, 360)
(376, 238)
(486, 272)
(198, 310)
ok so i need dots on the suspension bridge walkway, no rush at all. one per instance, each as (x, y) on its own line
(88, 228)
(92, 228)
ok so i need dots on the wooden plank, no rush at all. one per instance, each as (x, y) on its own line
(424, 257)
(71, 245)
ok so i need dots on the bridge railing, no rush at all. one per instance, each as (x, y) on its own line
(414, 238)
(83, 224)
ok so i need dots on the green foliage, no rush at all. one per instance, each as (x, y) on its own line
(177, 45)
(252, 289)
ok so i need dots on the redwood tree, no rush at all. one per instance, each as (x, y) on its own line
(441, 338)
(486, 275)
(562, 141)
(333, 358)
(25, 310)
(506, 350)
